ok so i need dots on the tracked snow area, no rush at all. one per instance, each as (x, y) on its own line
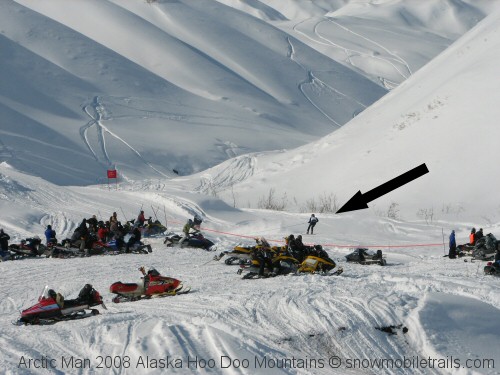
(185, 85)
(308, 318)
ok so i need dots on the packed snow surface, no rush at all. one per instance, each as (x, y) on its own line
(185, 85)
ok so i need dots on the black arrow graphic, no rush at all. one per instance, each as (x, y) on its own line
(360, 201)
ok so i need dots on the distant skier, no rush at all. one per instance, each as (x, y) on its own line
(452, 254)
(312, 222)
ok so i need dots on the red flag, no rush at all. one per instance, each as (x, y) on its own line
(112, 173)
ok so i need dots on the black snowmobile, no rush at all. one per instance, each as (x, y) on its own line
(366, 257)
(195, 240)
(486, 247)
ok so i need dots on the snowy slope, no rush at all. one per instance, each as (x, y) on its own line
(302, 321)
(151, 88)
(185, 85)
(445, 116)
(75, 99)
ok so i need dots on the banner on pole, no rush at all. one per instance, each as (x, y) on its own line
(112, 173)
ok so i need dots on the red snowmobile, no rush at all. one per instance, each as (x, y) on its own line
(152, 285)
(52, 307)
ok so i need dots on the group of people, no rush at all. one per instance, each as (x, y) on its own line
(474, 237)
(92, 229)
(294, 247)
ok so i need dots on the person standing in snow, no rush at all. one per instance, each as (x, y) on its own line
(479, 234)
(312, 222)
(452, 254)
(141, 219)
(472, 237)
(50, 234)
(4, 243)
(186, 230)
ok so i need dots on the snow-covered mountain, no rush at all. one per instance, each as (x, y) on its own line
(273, 86)
(184, 85)
(444, 115)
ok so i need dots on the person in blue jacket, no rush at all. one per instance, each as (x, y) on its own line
(50, 234)
(452, 254)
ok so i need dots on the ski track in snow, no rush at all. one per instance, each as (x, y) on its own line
(311, 81)
(96, 119)
(238, 169)
(396, 56)
(349, 51)
(302, 316)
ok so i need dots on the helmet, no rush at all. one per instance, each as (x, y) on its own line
(153, 272)
(52, 293)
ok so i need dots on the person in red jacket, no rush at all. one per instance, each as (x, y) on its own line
(102, 233)
(472, 237)
(141, 219)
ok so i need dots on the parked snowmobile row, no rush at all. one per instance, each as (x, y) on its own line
(52, 307)
(262, 260)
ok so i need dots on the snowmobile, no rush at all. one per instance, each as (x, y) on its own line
(155, 229)
(282, 264)
(365, 257)
(29, 247)
(152, 285)
(486, 247)
(492, 268)
(80, 248)
(195, 239)
(313, 264)
(52, 307)
(242, 255)
(465, 250)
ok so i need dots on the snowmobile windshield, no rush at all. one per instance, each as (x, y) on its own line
(44, 294)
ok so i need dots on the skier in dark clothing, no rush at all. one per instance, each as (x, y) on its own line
(50, 235)
(312, 222)
(452, 254)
